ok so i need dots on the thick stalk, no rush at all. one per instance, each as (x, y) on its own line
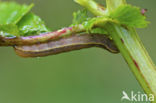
(132, 50)
(45, 37)
(114, 4)
(92, 6)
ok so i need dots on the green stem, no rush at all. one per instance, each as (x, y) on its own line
(92, 6)
(131, 48)
(114, 4)
(133, 51)
(45, 37)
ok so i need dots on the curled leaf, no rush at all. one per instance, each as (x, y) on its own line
(79, 17)
(130, 16)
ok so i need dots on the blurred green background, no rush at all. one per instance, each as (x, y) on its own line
(85, 76)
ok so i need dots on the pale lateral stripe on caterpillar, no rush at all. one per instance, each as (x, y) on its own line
(64, 44)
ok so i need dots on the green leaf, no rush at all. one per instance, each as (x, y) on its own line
(9, 30)
(11, 12)
(123, 15)
(98, 31)
(80, 16)
(16, 20)
(129, 15)
(31, 24)
(96, 22)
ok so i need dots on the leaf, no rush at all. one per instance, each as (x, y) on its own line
(96, 22)
(11, 12)
(9, 30)
(129, 15)
(31, 24)
(99, 31)
(80, 16)
(123, 15)
(16, 20)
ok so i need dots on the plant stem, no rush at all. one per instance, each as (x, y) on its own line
(11, 41)
(130, 46)
(92, 6)
(133, 51)
(114, 4)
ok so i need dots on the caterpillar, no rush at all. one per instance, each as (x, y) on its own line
(65, 44)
